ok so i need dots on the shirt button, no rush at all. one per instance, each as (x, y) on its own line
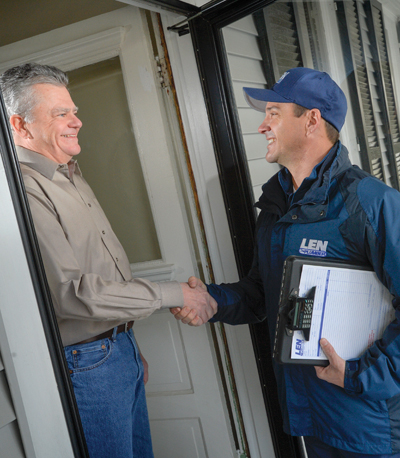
(116, 259)
(89, 205)
(294, 216)
(103, 232)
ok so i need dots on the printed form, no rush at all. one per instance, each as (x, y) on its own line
(351, 309)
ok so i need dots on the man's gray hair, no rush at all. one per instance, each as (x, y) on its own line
(17, 84)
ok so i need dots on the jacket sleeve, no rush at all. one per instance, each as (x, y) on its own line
(242, 302)
(376, 374)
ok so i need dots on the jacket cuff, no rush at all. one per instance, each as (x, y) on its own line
(171, 294)
(351, 383)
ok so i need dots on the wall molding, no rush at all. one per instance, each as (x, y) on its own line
(77, 53)
(154, 271)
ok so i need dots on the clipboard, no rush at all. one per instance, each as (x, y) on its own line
(291, 276)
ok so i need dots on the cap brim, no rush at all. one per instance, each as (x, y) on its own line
(258, 98)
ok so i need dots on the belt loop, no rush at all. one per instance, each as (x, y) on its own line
(114, 334)
(126, 327)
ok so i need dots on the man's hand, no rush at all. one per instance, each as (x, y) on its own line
(145, 369)
(334, 373)
(199, 306)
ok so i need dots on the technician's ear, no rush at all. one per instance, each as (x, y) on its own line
(19, 128)
(313, 120)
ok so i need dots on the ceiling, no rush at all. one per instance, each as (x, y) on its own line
(22, 19)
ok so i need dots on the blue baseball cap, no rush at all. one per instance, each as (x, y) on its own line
(306, 87)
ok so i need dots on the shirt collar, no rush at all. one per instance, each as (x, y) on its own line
(316, 177)
(44, 165)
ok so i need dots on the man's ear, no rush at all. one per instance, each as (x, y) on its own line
(313, 120)
(19, 128)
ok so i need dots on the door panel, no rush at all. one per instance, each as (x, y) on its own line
(192, 438)
(168, 362)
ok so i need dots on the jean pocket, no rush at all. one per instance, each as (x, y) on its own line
(89, 356)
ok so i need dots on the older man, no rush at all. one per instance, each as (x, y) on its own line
(94, 295)
(350, 408)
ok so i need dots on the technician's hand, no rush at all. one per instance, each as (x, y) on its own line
(334, 373)
(199, 306)
(145, 369)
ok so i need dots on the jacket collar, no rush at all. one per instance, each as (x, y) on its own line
(314, 188)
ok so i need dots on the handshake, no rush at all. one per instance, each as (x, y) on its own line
(198, 307)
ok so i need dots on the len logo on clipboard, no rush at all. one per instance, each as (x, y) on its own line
(345, 303)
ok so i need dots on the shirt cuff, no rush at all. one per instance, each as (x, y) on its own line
(171, 294)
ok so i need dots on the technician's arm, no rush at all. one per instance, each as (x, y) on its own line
(242, 302)
(376, 374)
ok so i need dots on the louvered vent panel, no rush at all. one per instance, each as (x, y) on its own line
(365, 98)
(377, 169)
(313, 35)
(387, 78)
(284, 36)
(361, 71)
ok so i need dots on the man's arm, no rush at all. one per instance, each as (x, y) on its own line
(88, 295)
(199, 306)
(376, 374)
(238, 303)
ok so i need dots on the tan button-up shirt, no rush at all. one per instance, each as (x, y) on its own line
(86, 267)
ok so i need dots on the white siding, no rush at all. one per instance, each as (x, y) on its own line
(245, 64)
(10, 440)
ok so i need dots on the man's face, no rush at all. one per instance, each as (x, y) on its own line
(54, 131)
(284, 133)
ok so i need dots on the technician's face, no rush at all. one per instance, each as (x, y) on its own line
(283, 131)
(54, 131)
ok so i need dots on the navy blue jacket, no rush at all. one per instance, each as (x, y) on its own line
(348, 215)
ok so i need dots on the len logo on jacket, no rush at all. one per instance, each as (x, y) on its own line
(314, 247)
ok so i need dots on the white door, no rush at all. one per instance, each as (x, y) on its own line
(185, 399)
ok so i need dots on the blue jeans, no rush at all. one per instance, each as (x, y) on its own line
(317, 449)
(107, 376)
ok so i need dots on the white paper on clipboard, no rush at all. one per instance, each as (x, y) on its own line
(351, 309)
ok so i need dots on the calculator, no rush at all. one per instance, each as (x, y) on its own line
(301, 313)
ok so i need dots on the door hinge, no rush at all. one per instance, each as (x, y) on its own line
(162, 72)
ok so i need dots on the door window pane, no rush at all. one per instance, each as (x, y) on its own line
(109, 157)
